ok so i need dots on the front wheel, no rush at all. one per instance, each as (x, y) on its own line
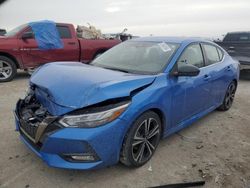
(142, 140)
(8, 69)
(229, 97)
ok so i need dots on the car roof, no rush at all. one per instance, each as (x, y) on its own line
(172, 39)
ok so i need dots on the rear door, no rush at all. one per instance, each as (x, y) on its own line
(71, 50)
(220, 70)
(33, 56)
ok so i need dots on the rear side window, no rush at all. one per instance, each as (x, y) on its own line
(212, 55)
(192, 55)
(220, 52)
(64, 32)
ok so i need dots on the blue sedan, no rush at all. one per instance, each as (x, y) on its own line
(117, 108)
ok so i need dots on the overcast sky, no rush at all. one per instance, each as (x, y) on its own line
(141, 17)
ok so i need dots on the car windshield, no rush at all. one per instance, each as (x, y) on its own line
(14, 31)
(137, 57)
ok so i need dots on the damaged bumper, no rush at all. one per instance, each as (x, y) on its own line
(71, 148)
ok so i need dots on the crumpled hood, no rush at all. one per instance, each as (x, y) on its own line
(77, 85)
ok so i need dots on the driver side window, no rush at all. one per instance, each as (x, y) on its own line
(29, 30)
(192, 55)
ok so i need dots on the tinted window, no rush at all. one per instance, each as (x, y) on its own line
(2, 32)
(64, 32)
(211, 54)
(244, 37)
(29, 30)
(192, 55)
(231, 37)
(237, 37)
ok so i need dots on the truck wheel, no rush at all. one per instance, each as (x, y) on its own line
(142, 140)
(8, 69)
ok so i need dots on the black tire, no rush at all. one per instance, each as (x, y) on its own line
(8, 69)
(229, 97)
(138, 140)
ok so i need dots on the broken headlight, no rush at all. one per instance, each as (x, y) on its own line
(95, 118)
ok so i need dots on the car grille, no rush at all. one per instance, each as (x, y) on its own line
(28, 129)
(29, 123)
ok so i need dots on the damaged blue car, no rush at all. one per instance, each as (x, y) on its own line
(117, 108)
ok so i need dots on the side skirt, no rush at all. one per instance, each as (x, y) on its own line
(188, 122)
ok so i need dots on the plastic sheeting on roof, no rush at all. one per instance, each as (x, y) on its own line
(46, 35)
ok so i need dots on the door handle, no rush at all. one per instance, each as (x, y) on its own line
(71, 43)
(206, 77)
(228, 68)
(231, 48)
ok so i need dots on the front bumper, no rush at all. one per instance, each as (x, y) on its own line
(103, 142)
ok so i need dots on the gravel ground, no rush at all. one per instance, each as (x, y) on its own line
(215, 149)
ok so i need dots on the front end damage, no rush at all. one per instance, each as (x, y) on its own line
(63, 147)
(80, 122)
(33, 121)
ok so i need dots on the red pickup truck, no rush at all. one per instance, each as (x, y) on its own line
(19, 49)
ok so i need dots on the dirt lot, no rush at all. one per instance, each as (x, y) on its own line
(215, 149)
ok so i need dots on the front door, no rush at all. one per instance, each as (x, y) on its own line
(32, 56)
(191, 95)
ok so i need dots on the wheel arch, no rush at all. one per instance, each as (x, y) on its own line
(161, 116)
(11, 57)
(156, 110)
(235, 81)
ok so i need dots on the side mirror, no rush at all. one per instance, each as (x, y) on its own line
(187, 70)
(27, 35)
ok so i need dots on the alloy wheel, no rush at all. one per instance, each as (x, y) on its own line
(145, 140)
(230, 95)
(5, 70)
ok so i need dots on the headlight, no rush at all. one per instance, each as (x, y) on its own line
(90, 120)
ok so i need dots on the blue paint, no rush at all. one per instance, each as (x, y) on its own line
(65, 86)
(46, 35)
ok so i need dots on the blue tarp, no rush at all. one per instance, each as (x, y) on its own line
(46, 35)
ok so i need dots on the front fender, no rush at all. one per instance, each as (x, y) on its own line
(154, 97)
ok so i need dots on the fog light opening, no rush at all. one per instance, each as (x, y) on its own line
(80, 157)
(83, 157)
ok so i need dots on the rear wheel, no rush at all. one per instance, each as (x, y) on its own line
(7, 69)
(229, 97)
(142, 140)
